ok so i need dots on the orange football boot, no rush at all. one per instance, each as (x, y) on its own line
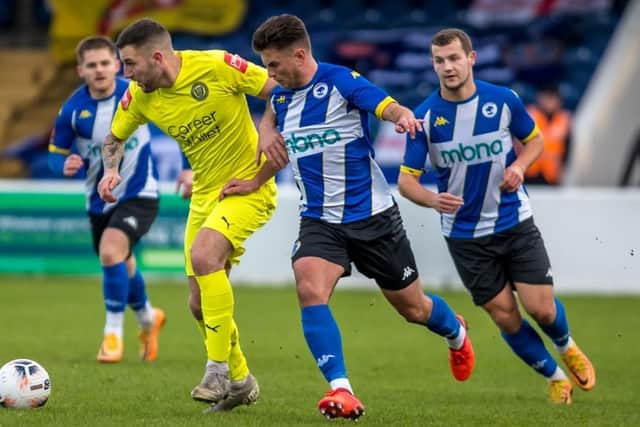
(340, 403)
(580, 367)
(149, 338)
(111, 349)
(463, 360)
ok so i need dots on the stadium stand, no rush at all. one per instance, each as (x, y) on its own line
(550, 41)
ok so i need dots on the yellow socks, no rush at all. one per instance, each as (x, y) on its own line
(218, 328)
(217, 312)
(238, 368)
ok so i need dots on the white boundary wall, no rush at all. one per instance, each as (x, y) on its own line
(592, 236)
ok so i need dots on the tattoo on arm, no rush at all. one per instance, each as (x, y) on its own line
(112, 151)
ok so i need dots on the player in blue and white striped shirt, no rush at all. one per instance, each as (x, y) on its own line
(485, 213)
(348, 214)
(83, 122)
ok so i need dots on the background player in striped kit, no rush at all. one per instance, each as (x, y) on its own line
(76, 143)
(485, 213)
(348, 213)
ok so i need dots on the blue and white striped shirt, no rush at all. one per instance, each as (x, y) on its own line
(325, 127)
(86, 122)
(469, 143)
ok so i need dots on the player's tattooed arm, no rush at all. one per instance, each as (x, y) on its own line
(112, 151)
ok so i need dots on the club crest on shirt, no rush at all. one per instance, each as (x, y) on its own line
(236, 61)
(199, 91)
(126, 99)
(320, 90)
(489, 109)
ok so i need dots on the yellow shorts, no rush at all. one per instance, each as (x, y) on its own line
(235, 217)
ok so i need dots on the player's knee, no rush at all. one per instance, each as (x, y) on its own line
(204, 263)
(507, 320)
(543, 315)
(110, 255)
(414, 314)
(309, 294)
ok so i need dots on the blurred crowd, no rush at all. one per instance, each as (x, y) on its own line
(546, 50)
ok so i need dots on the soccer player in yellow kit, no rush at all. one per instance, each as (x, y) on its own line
(199, 99)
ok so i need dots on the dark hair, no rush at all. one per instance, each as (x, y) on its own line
(448, 35)
(280, 32)
(92, 43)
(142, 32)
(549, 88)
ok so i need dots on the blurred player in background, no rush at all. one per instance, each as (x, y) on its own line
(84, 120)
(199, 98)
(485, 213)
(348, 212)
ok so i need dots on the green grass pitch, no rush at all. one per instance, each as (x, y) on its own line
(399, 371)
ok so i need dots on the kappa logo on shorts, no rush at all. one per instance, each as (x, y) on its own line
(408, 271)
(296, 247)
(131, 221)
(549, 273)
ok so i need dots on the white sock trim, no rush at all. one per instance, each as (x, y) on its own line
(341, 383)
(456, 343)
(557, 375)
(114, 323)
(564, 348)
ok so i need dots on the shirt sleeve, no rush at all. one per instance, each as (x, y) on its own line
(241, 75)
(361, 92)
(522, 125)
(415, 155)
(63, 134)
(61, 140)
(128, 116)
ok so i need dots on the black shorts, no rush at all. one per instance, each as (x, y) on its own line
(378, 246)
(487, 264)
(134, 217)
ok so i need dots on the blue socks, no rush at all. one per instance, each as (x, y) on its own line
(443, 320)
(558, 331)
(137, 292)
(115, 287)
(323, 339)
(528, 345)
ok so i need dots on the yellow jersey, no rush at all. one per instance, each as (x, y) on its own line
(206, 111)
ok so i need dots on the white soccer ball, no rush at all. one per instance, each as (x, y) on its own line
(24, 384)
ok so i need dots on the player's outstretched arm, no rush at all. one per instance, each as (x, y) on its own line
(112, 152)
(403, 118)
(410, 187)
